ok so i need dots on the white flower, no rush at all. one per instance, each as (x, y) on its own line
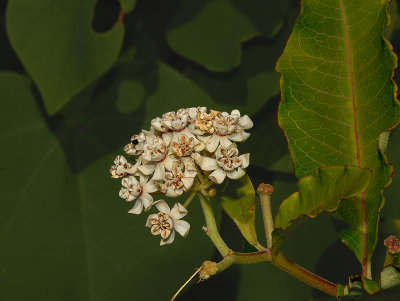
(155, 151)
(242, 123)
(135, 148)
(176, 182)
(167, 221)
(120, 168)
(171, 121)
(203, 123)
(139, 191)
(183, 144)
(227, 163)
(228, 128)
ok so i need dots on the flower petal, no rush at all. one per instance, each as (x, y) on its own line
(150, 217)
(245, 122)
(171, 193)
(167, 137)
(147, 200)
(169, 240)
(178, 211)
(217, 176)
(149, 187)
(162, 206)
(169, 162)
(236, 174)
(182, 227)
(207, 163)
(245, 160)
(147, 169)
(137, 208)
(225, 142)
(187, 182)
(212, 143)
(158, 172)
(245, 136)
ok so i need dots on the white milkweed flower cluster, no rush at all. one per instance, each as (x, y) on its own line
(182, 151)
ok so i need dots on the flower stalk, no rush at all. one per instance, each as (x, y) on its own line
(264, 192)
(212, 230)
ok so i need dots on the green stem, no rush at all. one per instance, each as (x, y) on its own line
(189, 199)
(304, 275)
(264, 191)
(243, 258)
(389, 258)
(212, 230)
(279, 261)
(200, 176)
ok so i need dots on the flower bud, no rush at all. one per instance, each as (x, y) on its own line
(392, 244)
(212, 192)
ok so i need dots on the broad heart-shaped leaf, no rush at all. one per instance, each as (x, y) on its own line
(58, 48)
(238, 200)
(210, 33)
(64, 232)
(337, 98)
(322, 192)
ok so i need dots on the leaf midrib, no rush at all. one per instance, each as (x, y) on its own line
(365, 253)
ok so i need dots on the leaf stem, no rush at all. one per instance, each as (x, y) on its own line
(212, 230)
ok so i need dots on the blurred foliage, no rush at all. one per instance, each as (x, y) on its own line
(77, 79)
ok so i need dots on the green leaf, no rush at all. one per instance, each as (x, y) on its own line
(370, 286)
(153, 89)
(322, 192)
(337, 98)
(128, 5)
(395, 20)
(361, 288)
(392, 193)
(64, 232)
(238, 200)
(210, 33)
(58, 48)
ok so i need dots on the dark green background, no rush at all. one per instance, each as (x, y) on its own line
(64, 232)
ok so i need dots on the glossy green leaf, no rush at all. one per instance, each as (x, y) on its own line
(322, 192)
(238, 200)
(337, 98)
(57, 46)
(210, 33)
(64, 232)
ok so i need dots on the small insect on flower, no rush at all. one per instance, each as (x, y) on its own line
(184, 151)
